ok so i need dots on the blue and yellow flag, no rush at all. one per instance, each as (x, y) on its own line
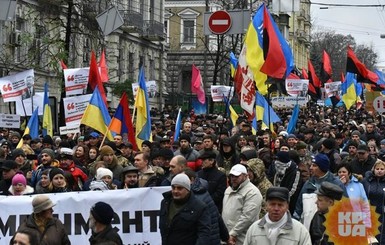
(143, 118)
(32, 127)
(47, 115)
(230, 112)
(349, 94)
(265, 113)
(96, 115)
(233, 64)
(293, 120)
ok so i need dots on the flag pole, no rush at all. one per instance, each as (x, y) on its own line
(104, 137)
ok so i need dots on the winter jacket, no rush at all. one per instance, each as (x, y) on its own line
(241, 208)
(362, 167)
(374, 187)
(28, 191)
(217, 184)
(317, 230)
(190, 226)
(108, 236)
(54, 233)
(292, 233)
(311, 186)
(227, 160)
(199, 188)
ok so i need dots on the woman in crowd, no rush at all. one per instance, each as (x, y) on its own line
(24, 237)
(19, 186)
(93, 153)
(355, 190)
(81, 155)
(58, 181)
(373, 150)
(374, 184)
(103, 175)
(43, 186)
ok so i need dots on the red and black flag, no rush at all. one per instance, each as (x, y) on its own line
(326, 68)
(354, 65)
(314, 82)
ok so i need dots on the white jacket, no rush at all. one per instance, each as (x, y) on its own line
(241, 209)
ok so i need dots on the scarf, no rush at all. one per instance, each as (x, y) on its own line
(280, 168)
(273, 228)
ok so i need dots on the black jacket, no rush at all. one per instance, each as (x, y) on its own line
(317, 230)
(217, 184)
(190, 226)
(107, 236)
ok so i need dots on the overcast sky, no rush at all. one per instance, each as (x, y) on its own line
(365, 24)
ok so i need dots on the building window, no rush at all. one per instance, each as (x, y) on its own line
(188, 31)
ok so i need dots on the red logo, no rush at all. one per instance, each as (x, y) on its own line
(7, 87)
(70, 106)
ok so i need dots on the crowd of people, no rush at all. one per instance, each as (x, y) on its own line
(228, 184)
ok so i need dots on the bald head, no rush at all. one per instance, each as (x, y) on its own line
(177, 165)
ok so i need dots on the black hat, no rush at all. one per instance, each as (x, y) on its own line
(166, 153)
(362, 148)
(165, 139)
(227, 141)
(278, 192)
(102, 212)
(47, 140)
(208, 155)
(127, 144)
(329, 143)
(308, 131)
(185, 137)
(283, 156)
(5, 143)
(8, 165)
(330, 190)
(55, 171)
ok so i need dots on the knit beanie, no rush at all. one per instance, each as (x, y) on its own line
(102, 212)
(356, 132)
(17, 152)
(16, 134)
(55, 171)
(329, 143)
(19, 178)
(101, 172)
(322, 162)
(106, 150)
(182, 180)
(48, 151)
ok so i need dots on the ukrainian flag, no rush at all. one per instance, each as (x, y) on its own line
(254, 50)
(143, 118)
(47, 115)
(349, 94)
(265, 113)
(230, 111)
(233, 64)
(32, 127)
(96, 115)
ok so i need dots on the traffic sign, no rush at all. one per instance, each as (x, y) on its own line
(219, 22)
(379, 104)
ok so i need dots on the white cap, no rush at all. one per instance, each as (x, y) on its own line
(66, 151)
(238, 169)
(283, 133)
(101, 172)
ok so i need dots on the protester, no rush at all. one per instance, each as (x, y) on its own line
(24, 237)
(277, 226)
(19, 186)
(9, 169)
(241, 204)
(43, 225)
(100, 219)
(177, 225)
(130, 177)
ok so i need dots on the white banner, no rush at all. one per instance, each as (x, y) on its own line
(297, 87)
(73, 129)
(76, 80)
(38, 101)
(288, 102)
(218, 91)
(152, 89)
(18, 86)
(9, 121)
(74, 108)
(136, 213)
(333, 89)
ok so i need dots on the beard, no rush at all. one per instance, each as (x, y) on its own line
(91, 223)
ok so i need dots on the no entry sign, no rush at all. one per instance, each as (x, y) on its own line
(219, 22)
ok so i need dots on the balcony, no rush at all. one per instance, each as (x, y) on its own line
(133, 21)
(302, 36)
(301, 15)
(307, 20)
(153, 31)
